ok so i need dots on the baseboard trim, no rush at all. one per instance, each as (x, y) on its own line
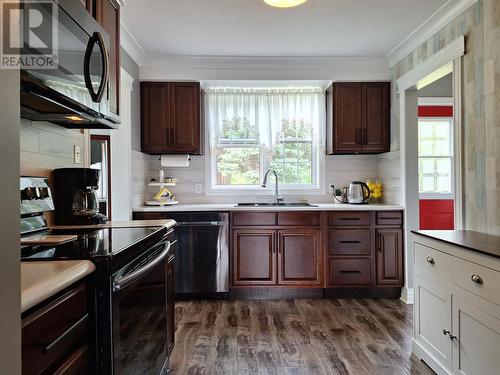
(407, 296)
(269, 293)
(372, 293)
(429, 360)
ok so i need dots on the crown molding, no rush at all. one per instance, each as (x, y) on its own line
(266, 68)
(437, 65)
(132, 46)
(439, 19)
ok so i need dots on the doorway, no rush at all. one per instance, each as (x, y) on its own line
(436, 162)
(100, 158)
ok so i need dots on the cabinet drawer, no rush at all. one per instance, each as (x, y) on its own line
(389, 218)
(349, 242)
(354, 272)
(53, 331)
(349, 218)
(433, 263)
(299, 218)
(254, 218)
(477, 279)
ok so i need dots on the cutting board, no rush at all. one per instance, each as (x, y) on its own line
(48, 239)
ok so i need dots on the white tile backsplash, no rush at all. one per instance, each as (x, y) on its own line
(339, 170)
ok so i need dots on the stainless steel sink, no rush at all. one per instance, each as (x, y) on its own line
(276, 204)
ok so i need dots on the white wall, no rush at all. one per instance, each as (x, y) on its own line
(10, 312)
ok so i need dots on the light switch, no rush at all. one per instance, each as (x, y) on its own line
(76, 154)
(198, 188)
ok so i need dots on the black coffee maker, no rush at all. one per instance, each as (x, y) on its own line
(75, 197)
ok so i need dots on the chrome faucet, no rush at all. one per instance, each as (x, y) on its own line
(277, 197)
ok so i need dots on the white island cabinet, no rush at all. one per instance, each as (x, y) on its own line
(457, 302)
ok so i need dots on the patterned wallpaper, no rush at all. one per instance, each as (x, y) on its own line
(481, 108)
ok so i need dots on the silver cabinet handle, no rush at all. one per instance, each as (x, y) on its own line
(430, 260)
(446, 332)
(477, 279)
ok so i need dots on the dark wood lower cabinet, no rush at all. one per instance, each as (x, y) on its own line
(254, 257)
(299, 257)
(389, 256)
(56, 335)
(350, 272)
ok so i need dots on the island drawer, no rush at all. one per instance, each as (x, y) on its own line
(432, 263)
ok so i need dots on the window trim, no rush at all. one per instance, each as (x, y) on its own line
(437, 195)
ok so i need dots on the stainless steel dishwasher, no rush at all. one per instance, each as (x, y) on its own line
(202, 255)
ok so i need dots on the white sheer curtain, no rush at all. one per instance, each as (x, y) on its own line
(266, 110)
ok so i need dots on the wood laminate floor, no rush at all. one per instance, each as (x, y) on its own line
(324, 336)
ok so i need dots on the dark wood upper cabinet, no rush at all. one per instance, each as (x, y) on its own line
(389, 256)
(358, 117)
(170, 118)
(376, 117)
(107, 13)
(155, 117)
(185, 117)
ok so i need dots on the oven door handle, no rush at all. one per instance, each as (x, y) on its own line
(122, 282)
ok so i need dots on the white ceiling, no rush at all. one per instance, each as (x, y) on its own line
(252, 28)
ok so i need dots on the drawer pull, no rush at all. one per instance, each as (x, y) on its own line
(350, 271)
(390, 218)
(349, 218)
(477, 279)
(430, 260)
(66, 333)
(350, 241)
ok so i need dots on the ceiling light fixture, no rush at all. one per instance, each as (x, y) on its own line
(284, 3)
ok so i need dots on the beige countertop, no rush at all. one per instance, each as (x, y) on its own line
(232, 207)
(41, 280)
(120, 224)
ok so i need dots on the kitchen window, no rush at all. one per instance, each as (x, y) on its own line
(253, 129)
(435, 157)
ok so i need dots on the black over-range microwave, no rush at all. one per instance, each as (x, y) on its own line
(76, 93)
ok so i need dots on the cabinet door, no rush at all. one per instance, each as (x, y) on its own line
(389, 256)
(108, 16)
(477, 343)
(76, 363)
(171, 303)
(299, 257)
(376, 117)
(185, 128)
(254, 257)
(432, 311)
(347, 118)
(154, 117)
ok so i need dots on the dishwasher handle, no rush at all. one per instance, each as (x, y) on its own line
(200, 223)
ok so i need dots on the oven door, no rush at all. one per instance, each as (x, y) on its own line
(140, 314)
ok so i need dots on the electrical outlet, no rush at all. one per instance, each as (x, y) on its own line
(198, 188)
(76, 154)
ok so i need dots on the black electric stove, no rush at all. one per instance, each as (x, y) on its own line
(130, 284)
(113, 246)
